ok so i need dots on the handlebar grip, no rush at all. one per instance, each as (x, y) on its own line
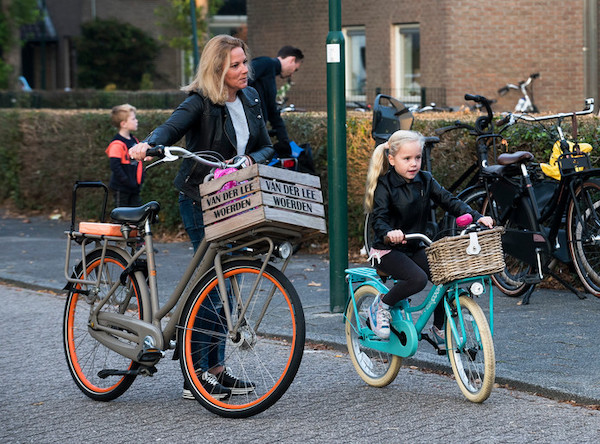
(473, 97)
(503, 90)
(535, 75)
(503, 121)
(156, 151)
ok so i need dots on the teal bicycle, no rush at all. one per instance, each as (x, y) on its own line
(461, 267)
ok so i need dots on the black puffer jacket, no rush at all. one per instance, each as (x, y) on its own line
(399, 204)
(208, 127)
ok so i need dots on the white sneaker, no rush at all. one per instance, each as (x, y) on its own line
(439, 337)
(379, 318)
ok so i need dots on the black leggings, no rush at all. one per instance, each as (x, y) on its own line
(411, 273)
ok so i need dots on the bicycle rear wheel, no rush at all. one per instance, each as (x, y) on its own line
(266, 349)
(510, 281)
(374, 367)
(583, 231)
(473, 364)
(86, 356)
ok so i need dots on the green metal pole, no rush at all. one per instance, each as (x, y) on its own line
(336, 159)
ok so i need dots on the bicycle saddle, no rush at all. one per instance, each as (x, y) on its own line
(134, 215)
(512, 158)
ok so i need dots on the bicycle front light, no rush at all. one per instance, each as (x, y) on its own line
(284, 250)
(476, 289)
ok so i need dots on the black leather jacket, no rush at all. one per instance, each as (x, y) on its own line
(399, 204)
(208, 127)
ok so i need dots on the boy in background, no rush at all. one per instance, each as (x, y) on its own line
(127, 173)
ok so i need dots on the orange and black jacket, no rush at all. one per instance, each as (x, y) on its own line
(127, 173)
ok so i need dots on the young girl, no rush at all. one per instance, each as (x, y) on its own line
(398, 196)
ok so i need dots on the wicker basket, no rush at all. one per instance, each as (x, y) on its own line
(449, 261)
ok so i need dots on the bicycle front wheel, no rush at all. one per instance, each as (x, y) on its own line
(374, 367)
(583, 231)
(86, 356)
(264, 349)
(473, 359)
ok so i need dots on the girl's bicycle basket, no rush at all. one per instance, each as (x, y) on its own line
(451, 258)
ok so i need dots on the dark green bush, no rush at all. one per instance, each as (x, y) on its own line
(44, 152)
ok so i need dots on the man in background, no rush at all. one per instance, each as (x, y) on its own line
(265, 70)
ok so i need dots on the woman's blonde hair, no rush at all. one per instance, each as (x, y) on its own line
(379, 164)
(214, 64)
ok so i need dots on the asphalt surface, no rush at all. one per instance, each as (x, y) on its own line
(547, 347)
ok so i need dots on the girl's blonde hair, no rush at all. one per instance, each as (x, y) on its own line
(379, 164)
(214, 64)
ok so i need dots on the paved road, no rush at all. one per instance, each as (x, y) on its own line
(39, 403)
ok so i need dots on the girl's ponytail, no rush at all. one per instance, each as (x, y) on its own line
(377, 166)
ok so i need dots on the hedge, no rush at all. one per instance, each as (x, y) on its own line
(45, 151)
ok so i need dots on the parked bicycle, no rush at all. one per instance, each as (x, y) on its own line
(546, 220)
(114, 328)
(460, 268)
(525, 103)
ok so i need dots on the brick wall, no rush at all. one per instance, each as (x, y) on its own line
(466, 45)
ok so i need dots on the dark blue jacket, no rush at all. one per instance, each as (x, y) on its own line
(265, 70)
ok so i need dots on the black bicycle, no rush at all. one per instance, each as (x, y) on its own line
(546, 220)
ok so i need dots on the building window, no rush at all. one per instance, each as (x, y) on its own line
(408, 62)
(356, 73)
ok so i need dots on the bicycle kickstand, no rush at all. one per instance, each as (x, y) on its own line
(566, 284)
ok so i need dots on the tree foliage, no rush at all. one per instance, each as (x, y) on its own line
(113, 52)
(13, 14)
(175, 19)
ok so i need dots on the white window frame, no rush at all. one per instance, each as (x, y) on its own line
(350, 53)
(401, 82)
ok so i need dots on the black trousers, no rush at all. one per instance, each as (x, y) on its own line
(411, 271)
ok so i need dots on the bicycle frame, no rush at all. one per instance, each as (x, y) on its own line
(202, 261)
(406, 333)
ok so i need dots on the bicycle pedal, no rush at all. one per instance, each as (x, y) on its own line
(150, 355)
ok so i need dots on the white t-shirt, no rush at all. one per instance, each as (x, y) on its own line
(240, 124)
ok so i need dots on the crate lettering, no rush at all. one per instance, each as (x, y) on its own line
(292, 204)
(292, 190)
(233, 208)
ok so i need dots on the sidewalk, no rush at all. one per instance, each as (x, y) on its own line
(546, 347)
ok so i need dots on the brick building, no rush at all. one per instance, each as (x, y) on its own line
(53, 43)
(445, 48)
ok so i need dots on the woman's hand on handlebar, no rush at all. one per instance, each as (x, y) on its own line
(396, 237)
(138, 151)
(486, 221)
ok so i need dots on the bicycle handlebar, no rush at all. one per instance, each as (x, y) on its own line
(172, 153)
(589, 108)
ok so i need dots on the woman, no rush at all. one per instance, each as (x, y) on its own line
(221, 114)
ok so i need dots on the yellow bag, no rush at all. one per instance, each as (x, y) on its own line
(551, 169)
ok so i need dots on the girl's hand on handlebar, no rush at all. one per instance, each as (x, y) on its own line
(396, 237)
(487, 221)
(138, 151)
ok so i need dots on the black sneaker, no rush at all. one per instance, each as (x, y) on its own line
(237, 386)
(212, 386)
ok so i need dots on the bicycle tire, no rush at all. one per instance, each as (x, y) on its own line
(267, 349)
(85, 355)
(585, 252)
(510, 280)
(474, 366)
(376, 368)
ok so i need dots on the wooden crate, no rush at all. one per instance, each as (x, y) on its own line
(262, 196)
